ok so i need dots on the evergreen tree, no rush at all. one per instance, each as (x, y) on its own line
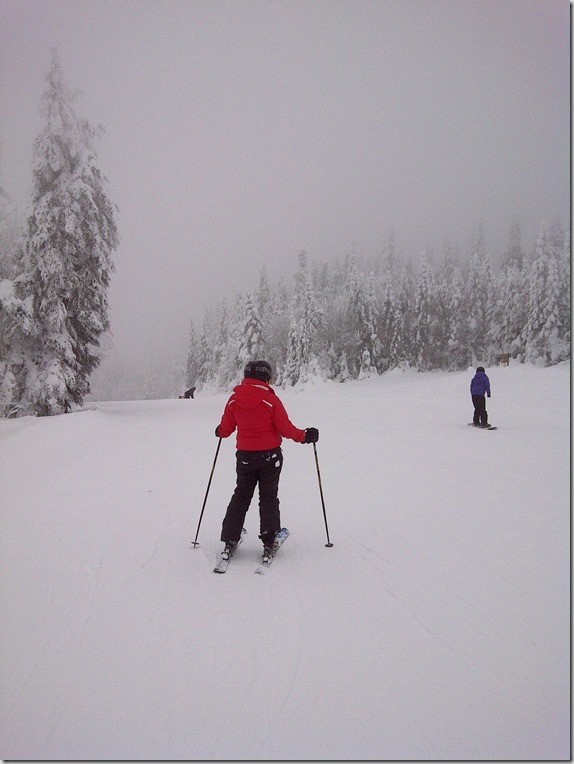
(445, 308)
(480, 301)
(221, 366)
(277, 330)
(69, 239)
(386, 325)
(511, 308)
(545, 332)
(400, 349)
(458, 344)
(206, 370)
(232, 365)
(363, 349)
(252, 342)
(387, 264)
(514, 254)
(424, 317)
(334, 330)
(192, 366)
(302, 361)
(263, 295)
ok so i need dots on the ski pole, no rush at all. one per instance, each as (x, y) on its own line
(321, 492)
(196, 542)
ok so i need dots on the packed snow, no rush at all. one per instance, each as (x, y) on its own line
(436, 627)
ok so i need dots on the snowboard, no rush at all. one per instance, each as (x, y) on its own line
(489, 427)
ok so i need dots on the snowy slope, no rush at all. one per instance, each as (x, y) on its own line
(436, 627)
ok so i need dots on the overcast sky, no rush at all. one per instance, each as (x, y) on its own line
(241, 131)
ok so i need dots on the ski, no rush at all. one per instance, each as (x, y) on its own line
(265, 563)
(479, 427)
(223, 563)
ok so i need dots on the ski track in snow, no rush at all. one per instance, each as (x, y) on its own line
(436, 627)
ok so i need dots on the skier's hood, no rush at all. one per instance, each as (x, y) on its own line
(249, 394)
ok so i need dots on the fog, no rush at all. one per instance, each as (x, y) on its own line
(240, 132)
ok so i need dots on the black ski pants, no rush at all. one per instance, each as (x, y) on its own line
(255, 467)
(480, 415)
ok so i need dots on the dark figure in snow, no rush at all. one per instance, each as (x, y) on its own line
(188, 393)
(479, 387)
(259, 417)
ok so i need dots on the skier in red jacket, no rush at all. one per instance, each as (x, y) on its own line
(259, 417)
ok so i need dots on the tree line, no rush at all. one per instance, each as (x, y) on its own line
(364, 317)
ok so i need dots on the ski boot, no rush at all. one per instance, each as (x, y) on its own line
(229, 550)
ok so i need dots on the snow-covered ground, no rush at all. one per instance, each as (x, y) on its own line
(437, 627)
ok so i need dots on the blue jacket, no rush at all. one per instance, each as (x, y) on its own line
(480, 384)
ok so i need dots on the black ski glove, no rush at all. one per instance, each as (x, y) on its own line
(311, 435)
(217, 435)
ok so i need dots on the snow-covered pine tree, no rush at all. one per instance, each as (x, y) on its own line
(511, 307)
(303, 350)
(424, 316)
(391, 286)
(363, 348)
(372, 351)
(69, 239)
(252, 344)
(514, 254)
(400, 351)
(293, 362)
(230, 338)
(310, 327)
(386, 264)
(443, 309)
(385, 331)
(277, 330)
(479, 300)
(459, 355)
(206, 371)
(263, 295)
(334, 328)
(299, 277)
(545, 333)
(221, 371)
(192, 365)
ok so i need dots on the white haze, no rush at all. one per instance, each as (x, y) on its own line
(238, 133)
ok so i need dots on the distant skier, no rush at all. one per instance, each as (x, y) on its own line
(261, 420)
(479, 387)
(188, 393)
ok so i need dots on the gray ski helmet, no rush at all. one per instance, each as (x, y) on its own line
(258, 370)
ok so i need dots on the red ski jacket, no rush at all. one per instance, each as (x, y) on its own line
(259, 417)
